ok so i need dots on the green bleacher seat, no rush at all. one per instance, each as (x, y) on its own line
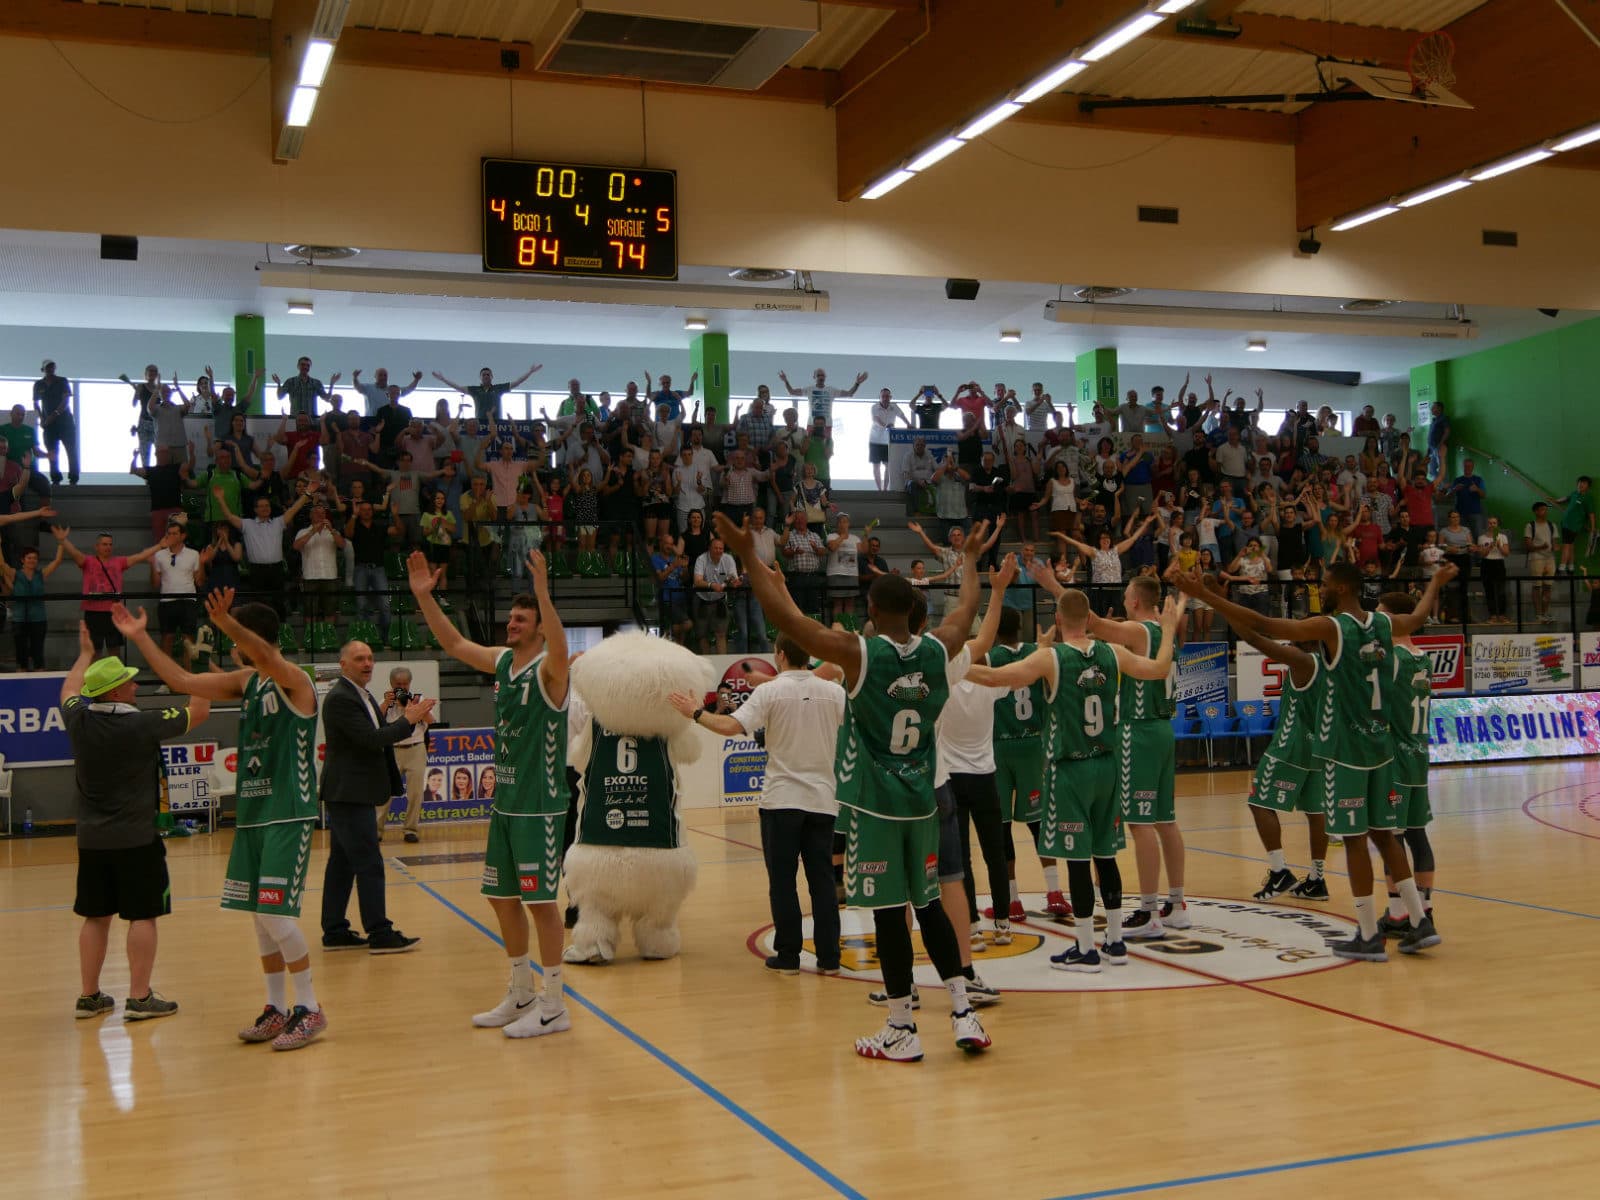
(322, 636)
(287, 642)
(364, 630)
(404, 635)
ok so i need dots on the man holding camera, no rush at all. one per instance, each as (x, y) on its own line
(410, 752)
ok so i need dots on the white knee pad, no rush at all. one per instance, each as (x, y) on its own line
(285, 935)
(264, 939)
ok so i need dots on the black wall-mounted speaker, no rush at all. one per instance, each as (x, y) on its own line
(960, 289)
(117, 248)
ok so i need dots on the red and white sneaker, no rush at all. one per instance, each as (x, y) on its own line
(969, 1031)
(1056, 905)
(268, 1026)
(304, 1027)
(893, 1043)
(1175, 918)
(1016, 913)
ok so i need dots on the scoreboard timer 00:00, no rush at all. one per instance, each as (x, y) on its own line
(548, 218)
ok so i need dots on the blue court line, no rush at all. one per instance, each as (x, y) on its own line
(728, 1105)
(1331, 1160)
(1565, 912)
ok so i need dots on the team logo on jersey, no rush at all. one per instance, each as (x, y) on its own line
(1091, 677)
(1372, 653)
(1230, 941)
(615, 819)
(909, 688)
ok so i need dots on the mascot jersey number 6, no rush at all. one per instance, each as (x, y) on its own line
(629, 861)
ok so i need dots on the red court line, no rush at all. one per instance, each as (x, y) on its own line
(1527, 810)
(720, 838)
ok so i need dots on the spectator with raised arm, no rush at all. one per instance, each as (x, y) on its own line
(486, 394)
(820, 395)
(24, 583)
(263, 538)
(928, 406)
(52, 402)
(230, 404)
(377, 393)
(884, 414)
(303, 390)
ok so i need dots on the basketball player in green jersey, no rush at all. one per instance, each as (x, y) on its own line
(1082, 677)
(1288, 778)
(1354, 745)
(1147, 760)
(522, 864)
(1408, 705)
(895, 686)
(1019, 767)
(277, 800)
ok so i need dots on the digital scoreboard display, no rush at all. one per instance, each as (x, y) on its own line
(549, 218)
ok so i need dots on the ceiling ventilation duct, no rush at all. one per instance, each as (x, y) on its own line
(719, 43)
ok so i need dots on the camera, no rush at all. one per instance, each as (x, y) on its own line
(403, 697)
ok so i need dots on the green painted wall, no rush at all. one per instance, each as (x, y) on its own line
(708, 355)
(249, 355)
(1532, 404)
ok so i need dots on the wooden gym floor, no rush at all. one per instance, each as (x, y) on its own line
(1470, 1071)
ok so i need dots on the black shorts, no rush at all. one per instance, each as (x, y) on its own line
(438, 553)
(1020, 502)
(1568, 536)
(658, 512)
(674, 610)
(102, 633)
(877, 452)
(130, 883)
(180, 616)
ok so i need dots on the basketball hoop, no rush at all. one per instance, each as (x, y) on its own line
(1431, 61)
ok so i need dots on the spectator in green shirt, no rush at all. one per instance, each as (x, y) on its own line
(221, 476)
(19, 435)
(1578, 518)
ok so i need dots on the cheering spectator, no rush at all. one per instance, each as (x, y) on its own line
(1466, 497)
(884, 414)
(804, 551)
(1105, 564)
(303, 389)
(370, 538)
(25, 585)
(820, 395)
(263, 540)
(1538, 540)
(1438, 440)
(1365, 424)
(379, 393)
(145, 395)
(486, 393)
(843, 571)
(1492, 550)
(52, 401)
(221, 474)
(928, 406)
(319, 545)
(102, 584)
(1061, 496)
(304, 444)
(817, 449)
(757, 423)
(739, 487)
(177, 569)
(1577, 519)
(1248, 572)
(479, 513)
(267, 483)
(715, 572)
(668, 565)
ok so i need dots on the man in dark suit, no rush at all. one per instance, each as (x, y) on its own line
(358, 774)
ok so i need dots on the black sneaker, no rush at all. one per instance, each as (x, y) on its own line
(96, 1005)
(1394, 927)
(413, 836)
(783, 966)
(981, 994)
(1362, 949)
(1143, 925)
(391, 941)
(150, 1007)
(1311, 889)
(1420, 938)
(881, 997)
(345, 939)
(1276, 884)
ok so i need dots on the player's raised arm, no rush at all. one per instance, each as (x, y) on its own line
(1301, 665)
(264, 656)
(1405, 624)
(1020, 674)
(954, 630)
(830, 645)
(213, 685)
(423, 577)
(1305, 629)
(553, 671)
(999, 580)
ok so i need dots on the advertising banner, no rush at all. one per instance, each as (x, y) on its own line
(1504, 663)
(1449, 654)
(1498, 728)
(1201, 674)
(192, 770)
(31, 731)
(1259, 677)
(1589, 656)
(461, 777)
(939, 442)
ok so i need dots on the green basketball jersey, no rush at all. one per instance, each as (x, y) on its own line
(1294, 735)
(886, 745)
(1406, 702)
(1019, 713)
(1147, 699)
(1079, 715)
(530, 743)
(277, 757)
(630, 792)
(1353, 728)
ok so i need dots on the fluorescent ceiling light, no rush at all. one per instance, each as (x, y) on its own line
(1049, 83)
(887, 184)
(989, 120)
(1258, 345)
(301, 308)
(1361, 218)
(1434, 192)
(695, 323)
(1175, 6)
(1506, 165)
(314, 66)
(1122, 35)
(301, 105)
(1582, 138)
(928, 157)
(1010, 335)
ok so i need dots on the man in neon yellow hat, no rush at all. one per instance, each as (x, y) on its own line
(122, 864)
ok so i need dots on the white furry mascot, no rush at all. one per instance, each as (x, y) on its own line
(629, 860)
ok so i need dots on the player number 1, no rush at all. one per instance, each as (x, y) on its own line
(1377, 692)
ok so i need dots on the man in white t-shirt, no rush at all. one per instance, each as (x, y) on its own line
(801, 714)
(1539, 540)
(820, 395)
(1131, 414)
(884, 414)
(177, 570)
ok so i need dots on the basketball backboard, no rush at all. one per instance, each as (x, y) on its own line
(1388, 84)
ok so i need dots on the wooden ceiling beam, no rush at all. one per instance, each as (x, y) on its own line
(892, 5)
(1288, 35)
(290, 31)
(66, 21)
(969, 59)
(1522, 66)
(1234, 124)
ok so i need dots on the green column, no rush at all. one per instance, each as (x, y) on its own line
(708, 355)
(249, 354)
(1427, 389)
(1097, 381)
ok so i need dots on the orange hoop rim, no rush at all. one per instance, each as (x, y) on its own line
(1430, 60)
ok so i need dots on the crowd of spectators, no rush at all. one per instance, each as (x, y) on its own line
(325, 501)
